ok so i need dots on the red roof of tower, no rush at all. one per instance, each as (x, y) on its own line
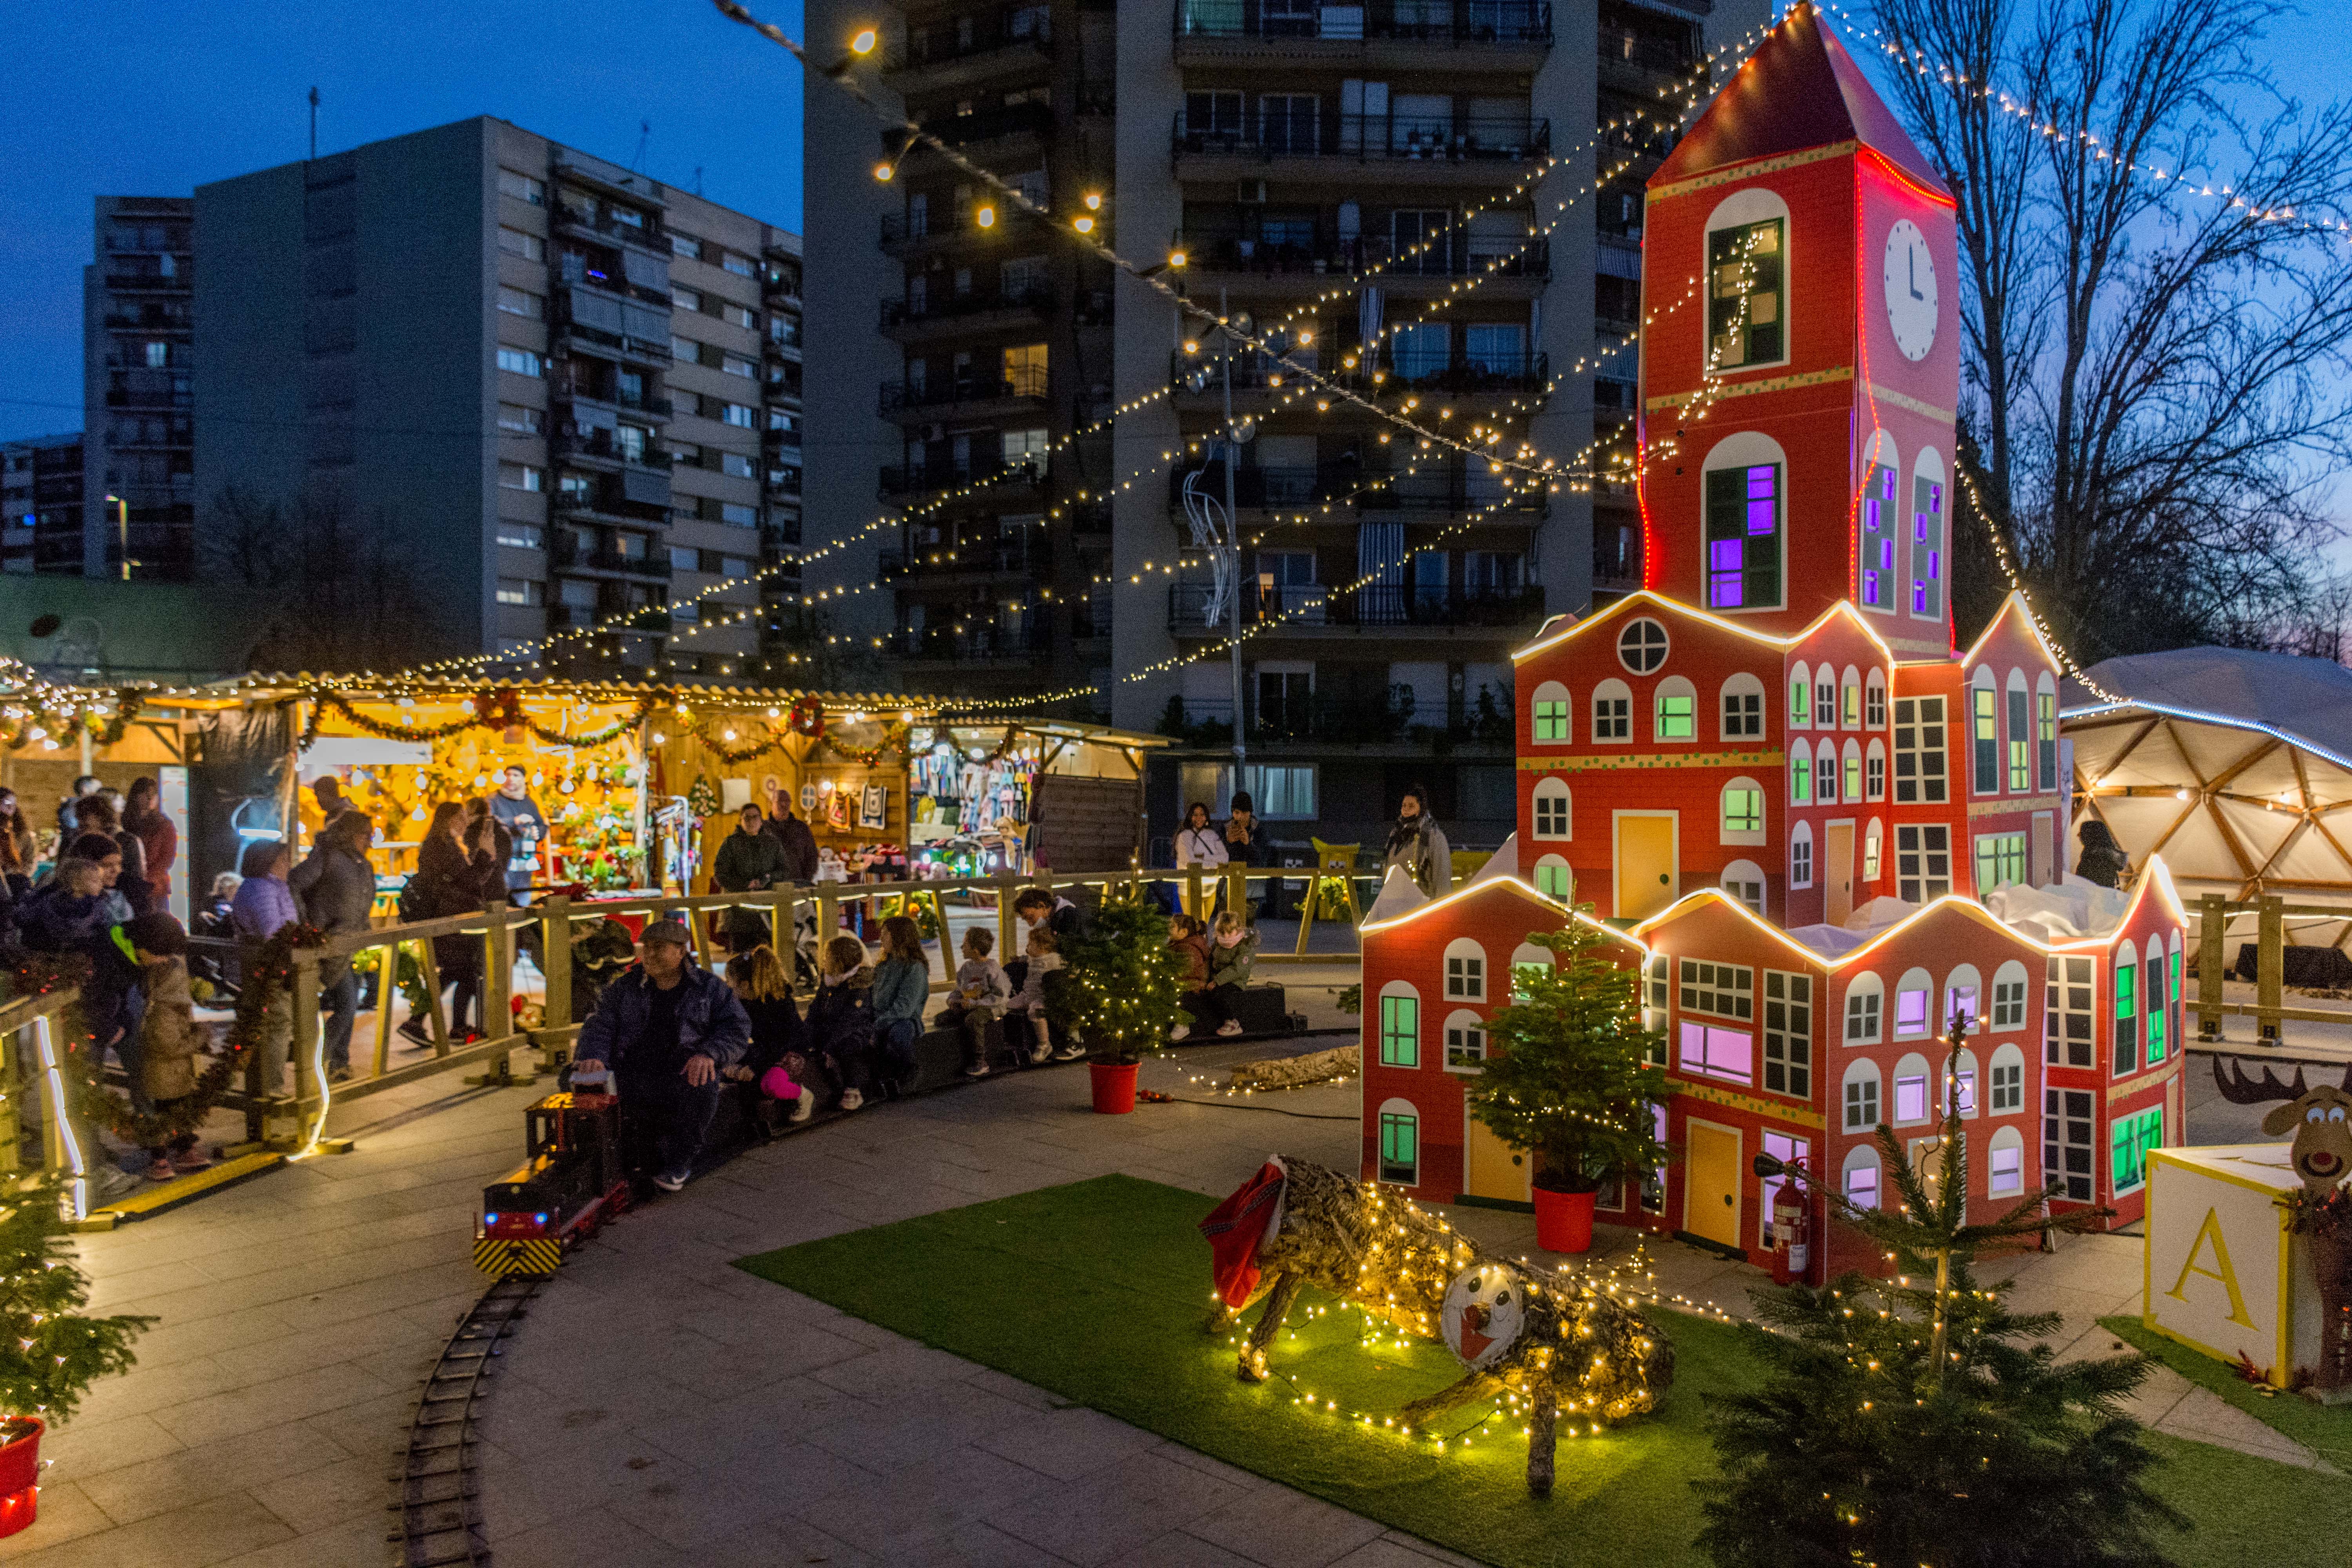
(1799, 90)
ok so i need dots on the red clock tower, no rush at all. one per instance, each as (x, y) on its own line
(1801, 361)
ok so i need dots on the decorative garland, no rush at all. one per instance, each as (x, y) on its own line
(728, 752)
(266, 972)
(612, 731)
(806, 717)
(498, 710)
(894, 738)
(17, 732)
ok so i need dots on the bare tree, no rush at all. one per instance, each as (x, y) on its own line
(325, 591)
(2157, 310)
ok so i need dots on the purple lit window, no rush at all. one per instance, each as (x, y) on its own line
(1743, 537)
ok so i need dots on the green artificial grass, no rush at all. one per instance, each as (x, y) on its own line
(2326, 1429)
(1096, 1291)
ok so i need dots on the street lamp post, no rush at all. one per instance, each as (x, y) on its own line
(122, 527)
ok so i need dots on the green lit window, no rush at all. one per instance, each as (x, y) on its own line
(1799, 704)
(2156, 1011)
(2001, 861)
(1400, 1147)
(1746, 321)
(1677, 717)
(2021, 743)
(1551, 721)
(1554, 880)
(2127, 1019)
(1801, 778)
(2131, 1137)
(1987, 736)
(1743, 810)
(1400, 1031)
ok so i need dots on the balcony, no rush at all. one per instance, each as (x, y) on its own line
(1023, 644)
(569, 556)
(1497, 34)
(601, 445)
(902, 235)
(1477, 149)
(979, 398)
(151, 319)
(1492, 375)
(1020, 553)
(907, 322)
(647, 236)
(651, 407)
(647, 622)
(182, 279)
(1383, 609)
(780, 485)
(156, 389)
(992, 51)
(1002, 478)
(633, 348)
(1439, 256)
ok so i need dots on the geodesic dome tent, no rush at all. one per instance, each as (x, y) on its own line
(2236, 766)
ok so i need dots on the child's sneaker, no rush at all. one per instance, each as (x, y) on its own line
(805, 1106)
(672, 1181)
(1070, 1052)
(1180, 1032)
(851, 1099)
(1040, 1052)
(188, 1160)
(977, 1069)
(161, 1170)
(1229, 1026)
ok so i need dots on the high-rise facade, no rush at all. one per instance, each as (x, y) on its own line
(1433, 205)
(139, 449)
(42, 481)
(551, 390)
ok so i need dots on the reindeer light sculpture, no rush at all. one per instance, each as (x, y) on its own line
(1550, 1345)
(2321, 1121)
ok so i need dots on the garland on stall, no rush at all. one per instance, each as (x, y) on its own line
(267, 973)
(321, 701)
(17, 731)
(893, 738)
(498, 710)
(612, 731)
(727, 751)
(806, 717)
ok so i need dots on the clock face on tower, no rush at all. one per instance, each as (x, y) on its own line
(1910, 290)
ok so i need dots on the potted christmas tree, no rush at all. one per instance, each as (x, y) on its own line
(49, 1353)
(1121, 990)
(1565, 1077)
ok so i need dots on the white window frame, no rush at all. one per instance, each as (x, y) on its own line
(1466, 970)
(1558, 826)
(1867, 986)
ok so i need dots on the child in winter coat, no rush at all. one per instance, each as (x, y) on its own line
(168, 1035)
(840, 1019)
(1187, 940)
(1233, 952)
(980, 990)
(1028, 1005)
(902, 983)
(778, 1060)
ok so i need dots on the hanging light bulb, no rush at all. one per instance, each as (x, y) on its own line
(864, 42)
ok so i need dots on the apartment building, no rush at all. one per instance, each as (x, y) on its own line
(558, 390)
(41, 488)
(139, 450)
(1372, 186)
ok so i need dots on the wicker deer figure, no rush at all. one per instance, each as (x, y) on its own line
(1551, 1346)
(2321, 1121)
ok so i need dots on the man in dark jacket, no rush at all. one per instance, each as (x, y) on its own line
(800, 844)
(1063, 918)
(334, 887)
(667, 1028)
(750, 860)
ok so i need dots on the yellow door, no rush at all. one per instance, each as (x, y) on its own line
(1645, 866)
(1711, 1184)
(1837, 871)
(1490, 1167)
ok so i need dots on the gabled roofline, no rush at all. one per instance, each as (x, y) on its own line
(1525, 890)
(2015, 601)
(1781, 642)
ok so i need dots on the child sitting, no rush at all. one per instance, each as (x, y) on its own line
(168, 1037)
(840, 1019)
(778, 1060)
(1029, 1003)
(902, 983)
(980, 990)
(1188, 941)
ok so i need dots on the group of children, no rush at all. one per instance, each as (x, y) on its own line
(1217, 964)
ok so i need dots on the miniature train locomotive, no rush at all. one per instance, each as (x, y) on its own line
(571, 1182)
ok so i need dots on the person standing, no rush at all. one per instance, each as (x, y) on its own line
(19, 851)
(450, 876)
(159, 840)
(67, 823)
(669, 1029)
(750, 860)
(800, 844)
(335, 888)
(526, 829)
(96, 814)
(1199, 843)
(263, 906)
(1241, 830)
(1418, 844)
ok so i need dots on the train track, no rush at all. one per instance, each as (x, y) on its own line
(435, 1492)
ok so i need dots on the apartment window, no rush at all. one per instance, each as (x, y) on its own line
(1613, 712)
(1873, 844)
(2008, 1086)
(522, 477)
(1551, 721)
(2005, 1165)
(1910, 1098)
(1553, 807)
(521, 361)
(2001, 861)
(1873, 703)
(1826, 700)
(1919, 750)
(1708, 1051)
(2008, 1003)
(2066, 1127)
(1727, 990)
(736, 516)
(734, 566)
(514, 242)
(1984, 707)
(576, 491)
(1466, 971)
(735, 364)
(1744, 315)
(1677, 716)
(738, 265)
(1789, 1032)
(2153, 1005)
(1213, 113)
(1400, 1147)
(1743, 537)
(1025, 370)
(1801, 856)
(736, 464)
(1862, 1178)
(1862, 1098)
(1874, 773)
(1852, 774)
(1801, 777)
(522, 591)
(1864, 997)
(685, 245)
(521, 535)
(1743, 710)
(2068, 1035)
(2021, 742)
(521, 303)
(1879, 515)
(522, 187)
(1912, 999)
(1927, 546)
(742, 415)
(1800, 698)
(1025, 451)
(685, 298)
(686, 351)
(1923, 861)
(1465, 1043)
(1400, 1031)
(518, 420)
(739, 316)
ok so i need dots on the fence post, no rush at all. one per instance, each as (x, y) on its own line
(498, 977)
(2212, 964)
(555, 951)
(438, 1022)
(305, 1042)
(1193, 891)
(1007, 886)
(1237, 891)
(13, 1092)
(387, 986)
(2270, 971)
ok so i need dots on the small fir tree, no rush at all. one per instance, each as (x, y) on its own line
(1568, 1077)
(1121, 985)
(50, 1352)
(1916, 1420)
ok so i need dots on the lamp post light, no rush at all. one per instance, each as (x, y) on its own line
(122, 527)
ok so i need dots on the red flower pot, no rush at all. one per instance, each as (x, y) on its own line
(1563, 1220)
(20, 1466)
(1114, 1086)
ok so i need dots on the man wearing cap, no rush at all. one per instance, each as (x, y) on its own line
(667, 1028)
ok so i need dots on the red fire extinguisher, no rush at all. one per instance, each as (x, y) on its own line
(1792, 1226)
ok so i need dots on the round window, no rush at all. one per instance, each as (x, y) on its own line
(1642, 645)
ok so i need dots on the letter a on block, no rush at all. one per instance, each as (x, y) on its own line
(2222, 1271)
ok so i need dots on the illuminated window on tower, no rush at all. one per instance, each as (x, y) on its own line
(1744, 297)
(1879, 515)
(1743, 538)
(1927, 547)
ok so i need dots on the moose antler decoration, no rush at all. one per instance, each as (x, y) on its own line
(1551, 1344)
(2321, 1119)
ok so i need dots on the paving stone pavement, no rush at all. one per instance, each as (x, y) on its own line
(661, 1407)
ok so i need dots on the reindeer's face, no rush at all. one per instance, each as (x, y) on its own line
(1482, 1315)
(2321, 1121)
